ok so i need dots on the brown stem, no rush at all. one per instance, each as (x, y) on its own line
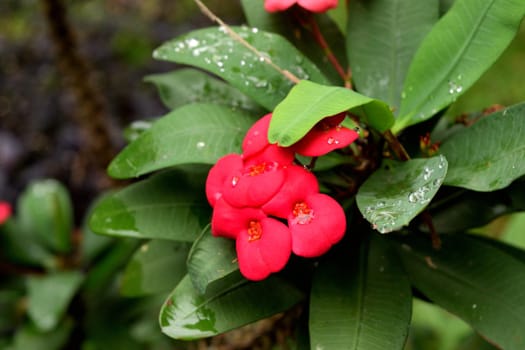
(434, 236)
(396, 146)
(90, 112)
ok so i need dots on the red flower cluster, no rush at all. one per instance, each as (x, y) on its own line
(5, 212)
(310, 5)
(253, 194)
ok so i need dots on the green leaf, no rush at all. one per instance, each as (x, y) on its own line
(382, 38)
(212, 49)
(488, 155)
(45, 210)
(456, 210)
(211, 259)
(170, 205)
(157, 267)
(186, 86)
(455, 54)
(49, 297)
(28, 337)
(361, 300)
(309, 102)
(137, 128)
(197, 133)
(189, 315)
(392, 196)
(474, 280)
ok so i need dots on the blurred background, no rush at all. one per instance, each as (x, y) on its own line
(71, 80)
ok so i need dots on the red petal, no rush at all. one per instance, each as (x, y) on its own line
(5, 212)
(253, 191)
(326, 228)
(219, 173)
(228, 221)
(271, 154)
(299, 183)
(318, 5)
(270, 253)
(319, 142)
(256, 138)
(278, 5)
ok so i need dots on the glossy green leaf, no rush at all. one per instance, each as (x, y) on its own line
(309, 102)
(474, 280)
(187, 314)
(361, 300)
(186, 86)
(197, 133)
(212, 49)
(157, 267)
(170, 205)
(456, 210)
(211, 259)
(392, 196)
(382, 38)
(45, 210)
(137, 128)
(458, 50)
(488, 155)
(50, 295)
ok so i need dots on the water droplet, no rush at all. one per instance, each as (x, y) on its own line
(403, 95)
(412, 197)
(331, 140)
(243, 63)
(427, 173)
(436, 182)
(380, 204)
(255, 30)
(235, 181)
(474, 306)
(381, 269)
(201, 144)
(192, 43)
(454, 88)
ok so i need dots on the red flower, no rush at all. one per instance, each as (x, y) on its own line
(227, 221)
(310, 5)
(5, 212)
(263, 247)
(299, 183)
(325, 136)
(219, 174)
(316, 223)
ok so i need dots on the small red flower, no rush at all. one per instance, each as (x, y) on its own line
(325, 136)
(219, 174)
(227, 221)
(5, 212)
(310, 5)
(263, 246)
(299, 184)
(316, 223)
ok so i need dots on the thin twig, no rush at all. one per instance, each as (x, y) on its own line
(396, 146)
(290, 76)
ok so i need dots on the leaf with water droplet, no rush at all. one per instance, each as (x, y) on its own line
(226, 57)
(177, 138)
(455, 54)
(188, 314)
(188, 85)
(392, 196)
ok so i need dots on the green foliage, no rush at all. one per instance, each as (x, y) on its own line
(396, 193)
(308, 103)
(488, 155)
(455, 54)
(361, 300)
(409, 61)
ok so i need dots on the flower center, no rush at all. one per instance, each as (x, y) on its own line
(302, 213)
(254, 231)
(257, 169)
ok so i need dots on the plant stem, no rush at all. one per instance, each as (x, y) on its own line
(396, 146)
